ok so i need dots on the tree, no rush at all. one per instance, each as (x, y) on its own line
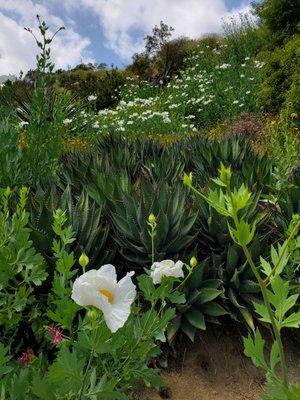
(160, 36)
(279, 18)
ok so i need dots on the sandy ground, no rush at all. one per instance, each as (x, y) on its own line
(214, 368)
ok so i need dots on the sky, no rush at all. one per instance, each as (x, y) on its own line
(102, 31)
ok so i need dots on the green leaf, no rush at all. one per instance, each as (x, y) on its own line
(261, 310)
(243, 234)
(176, 298)
(213, 309)
(292, 321)
(146, 286)
(188, 329)
(195, 318)
(254, 349)
(274, 355)
(42, 389)
(208, 294)
(173, 328)
(68, 368)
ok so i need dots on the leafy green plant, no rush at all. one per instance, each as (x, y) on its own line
(65, 309)
(201, 303)
(174, 223)
(22, 268)
(84, 215)
(277, 305)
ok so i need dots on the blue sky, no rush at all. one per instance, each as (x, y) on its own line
(108, 31)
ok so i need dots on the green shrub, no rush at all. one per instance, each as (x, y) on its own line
(280, 77)
(279, 19)
(103, 84)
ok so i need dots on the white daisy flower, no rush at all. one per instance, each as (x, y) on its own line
(92, 97)
(166, 268)
(100, 288)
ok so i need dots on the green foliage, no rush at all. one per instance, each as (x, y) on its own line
(280, 76)
(82, 213)
(201, 304)
(22, 268)
(102, 84)
(279, 18)
(281, 135)
(93, 361)
(65, 309)
(277, 306)
(174, 223)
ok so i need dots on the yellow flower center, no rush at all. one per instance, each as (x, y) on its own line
(107, 294)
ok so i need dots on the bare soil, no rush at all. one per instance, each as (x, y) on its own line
(215, 368)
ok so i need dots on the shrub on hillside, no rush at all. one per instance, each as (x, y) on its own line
(279, 19)
(280, 76)
(103, 84)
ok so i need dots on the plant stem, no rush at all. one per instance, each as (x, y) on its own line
(275, 328)
(263, 288)
(85, 374)
(152, 244)
(94, 329)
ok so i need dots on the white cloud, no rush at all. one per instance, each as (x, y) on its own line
(121, 18)
(18, 48)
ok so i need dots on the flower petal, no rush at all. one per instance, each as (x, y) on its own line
(84, 294)
(108, 271)
(116, 317)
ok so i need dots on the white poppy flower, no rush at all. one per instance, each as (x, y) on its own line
(166, 268)
(100, 288)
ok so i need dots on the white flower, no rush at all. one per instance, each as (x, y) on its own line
(67, 121)
(166, 268)
(92, 97)
(99, 288)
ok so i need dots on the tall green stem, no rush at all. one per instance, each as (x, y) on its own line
(264, 292)
(94, 329)
(85, 374)
(152, 244)
(276, 331)
(263, 288)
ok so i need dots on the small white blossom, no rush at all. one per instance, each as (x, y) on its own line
(92, 97)
(166, 268)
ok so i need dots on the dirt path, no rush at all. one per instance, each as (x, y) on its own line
(214, 368)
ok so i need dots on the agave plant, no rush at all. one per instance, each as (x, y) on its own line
(202, 304)
(175, 220)
(253, 170)
(238, 282)
(86, 217)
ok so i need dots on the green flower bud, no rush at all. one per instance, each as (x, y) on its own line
(92, 314)
(225, 174)
(193, 262)
(83, 260)
(152, 219)
(187, 179)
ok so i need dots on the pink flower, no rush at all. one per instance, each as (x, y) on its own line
(56, 335)
(26, 357)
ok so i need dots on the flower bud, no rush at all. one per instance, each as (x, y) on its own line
(193, 262)
(225, 174)
(92, 314)
(83, 260)
(152, 219)
(187, 179)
